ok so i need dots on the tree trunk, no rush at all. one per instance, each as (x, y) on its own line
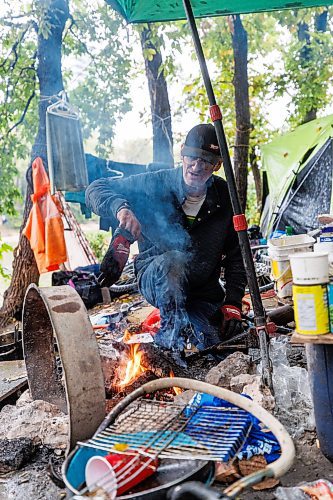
(303, 34)
(256, 177)
(159, 99)
(50, 83)
(242, 106)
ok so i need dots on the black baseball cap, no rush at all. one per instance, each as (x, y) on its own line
(201, 142)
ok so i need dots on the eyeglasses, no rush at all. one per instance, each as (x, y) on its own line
(191, 161)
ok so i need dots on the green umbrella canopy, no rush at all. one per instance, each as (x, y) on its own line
(145, 11)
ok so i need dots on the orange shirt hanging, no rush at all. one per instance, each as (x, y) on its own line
(44, 228)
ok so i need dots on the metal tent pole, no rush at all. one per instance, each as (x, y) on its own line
(239, 218)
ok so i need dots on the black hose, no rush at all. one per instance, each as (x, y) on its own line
(194, 490)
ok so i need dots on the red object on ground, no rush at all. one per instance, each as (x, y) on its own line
(118, 473)
(152, 322)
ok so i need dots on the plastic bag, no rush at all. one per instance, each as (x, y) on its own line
(294, 405)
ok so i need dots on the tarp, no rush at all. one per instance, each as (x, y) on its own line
(287, 156)
(144, 11)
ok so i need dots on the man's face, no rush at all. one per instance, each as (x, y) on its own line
(197, 171)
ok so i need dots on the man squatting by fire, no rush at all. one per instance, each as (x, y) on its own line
(182, 219)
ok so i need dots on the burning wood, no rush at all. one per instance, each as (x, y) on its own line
(177, 390)
(130, 367)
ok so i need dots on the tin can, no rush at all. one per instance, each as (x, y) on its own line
(311, 309)
(283, 279)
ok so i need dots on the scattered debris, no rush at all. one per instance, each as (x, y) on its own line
(260, 393)
(227, 473)
(32, 484)
(237, 383)
(317, 490)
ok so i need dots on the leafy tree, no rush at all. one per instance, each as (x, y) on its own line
(34, 39)
(98, 38)
(308, 62)
(151, 44)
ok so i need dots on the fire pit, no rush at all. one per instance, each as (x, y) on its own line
(192, 436)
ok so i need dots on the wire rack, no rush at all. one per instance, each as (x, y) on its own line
(167, 430)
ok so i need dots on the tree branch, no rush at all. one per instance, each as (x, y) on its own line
(15, 46)
(22, 116)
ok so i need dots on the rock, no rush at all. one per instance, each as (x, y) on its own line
(235, 364)
(15, 453)
(260, 394)
(39, 421)
(24, 399)
(237, 383)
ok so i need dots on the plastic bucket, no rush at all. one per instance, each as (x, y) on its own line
(279, 251)
(310, 268)
(311, 309)
(325, 247)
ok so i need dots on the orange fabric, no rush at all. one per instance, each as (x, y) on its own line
(44, 228)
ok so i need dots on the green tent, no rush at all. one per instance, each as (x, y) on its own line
(144, 11)
(294, 158)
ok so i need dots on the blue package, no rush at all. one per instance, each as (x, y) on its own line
(201, 399)
(260, 440)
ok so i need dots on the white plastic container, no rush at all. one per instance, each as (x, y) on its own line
(323, 247)
(310, 268)
(279, 250)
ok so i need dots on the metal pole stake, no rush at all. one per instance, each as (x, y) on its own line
(239, 218)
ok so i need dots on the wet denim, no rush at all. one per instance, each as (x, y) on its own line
(164, 284)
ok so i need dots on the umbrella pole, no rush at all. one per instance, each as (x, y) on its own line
(239, 219)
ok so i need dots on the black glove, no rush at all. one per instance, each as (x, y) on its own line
(115, 258)
(232, 322)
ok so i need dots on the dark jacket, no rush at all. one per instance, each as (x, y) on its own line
(156, 199)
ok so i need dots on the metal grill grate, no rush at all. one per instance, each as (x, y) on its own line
(167, 430)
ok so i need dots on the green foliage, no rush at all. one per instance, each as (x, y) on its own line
(99, 243)
(252, 211)
(18, 104)
(4, 247)
(307, 63)
(97, 37)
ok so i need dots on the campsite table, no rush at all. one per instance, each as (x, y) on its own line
(297, 338)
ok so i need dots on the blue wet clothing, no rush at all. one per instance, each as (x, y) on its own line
(179, 265)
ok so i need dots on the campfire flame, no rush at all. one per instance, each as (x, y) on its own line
(177, 390)
(131, 367)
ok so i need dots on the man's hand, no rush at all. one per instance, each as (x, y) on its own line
(232, 321)
(128, 221)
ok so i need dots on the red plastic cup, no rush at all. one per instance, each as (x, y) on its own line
(117, 473)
